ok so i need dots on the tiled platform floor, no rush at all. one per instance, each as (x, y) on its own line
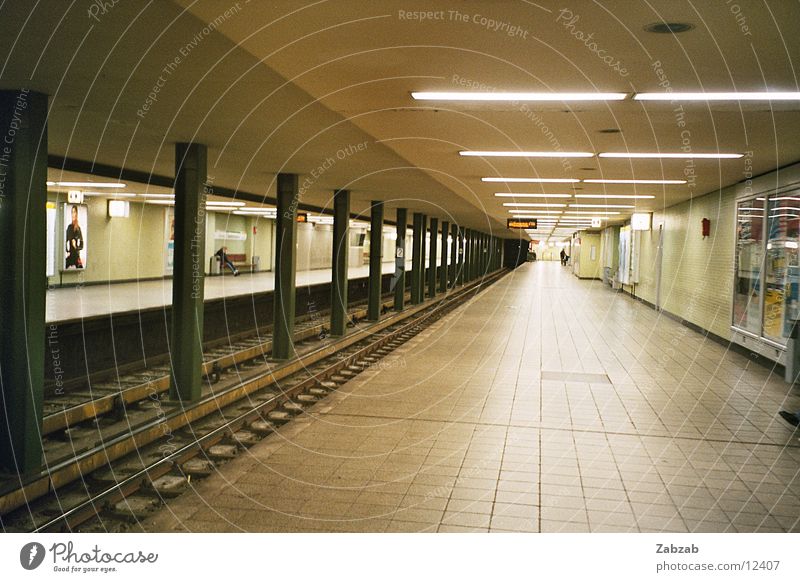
(456, 431)
(92, 300)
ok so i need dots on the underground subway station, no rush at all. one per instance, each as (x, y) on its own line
(293, 269)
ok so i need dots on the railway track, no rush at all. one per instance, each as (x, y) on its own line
(119, 463)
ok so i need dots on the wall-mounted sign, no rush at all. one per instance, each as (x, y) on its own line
(641, 220)
(596, 222)
(302, 217)
(75, 197)
(517, 223)
(119, 209)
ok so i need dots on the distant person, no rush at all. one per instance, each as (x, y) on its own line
(224, 259)
(74, 244)
(534, 256)
(563, 257)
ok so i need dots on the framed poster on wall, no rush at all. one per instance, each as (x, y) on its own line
(76, 230)
(51, 239)
(169, 237)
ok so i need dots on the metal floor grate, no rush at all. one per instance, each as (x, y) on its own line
(576, 377)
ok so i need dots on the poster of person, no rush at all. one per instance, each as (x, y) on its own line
(169, 229)
(76, 220)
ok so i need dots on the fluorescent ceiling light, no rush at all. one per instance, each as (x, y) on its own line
(635, 181)
(533, 204)
(162, 202)
(602, 206)
(88, 184)
(516, 154)
(511, 96)
(534, 210)
(111, 194)
(214, 203)
(621, 196)
(520, 195)
(157, 195)
(533, 180)
(674, 155)
(590, 212)
(721, 96)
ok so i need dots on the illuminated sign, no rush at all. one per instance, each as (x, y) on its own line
(517, 223)
(302, 217)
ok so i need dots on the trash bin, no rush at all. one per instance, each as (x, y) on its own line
(256, 264)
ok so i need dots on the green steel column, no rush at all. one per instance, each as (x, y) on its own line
(445, 270)
(341, 250)
(416, 259)
(23, 252)
(453, 254)
(375, 257)
(423, 250)
(432, 258)
(399, 279)
(188, 272)
(285, 266)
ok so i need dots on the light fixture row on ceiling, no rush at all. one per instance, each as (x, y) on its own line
(627, 155)
(553, 205)
(595, 96)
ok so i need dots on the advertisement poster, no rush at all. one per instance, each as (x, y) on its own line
(76, 220)
(169, 237)
(51, 239)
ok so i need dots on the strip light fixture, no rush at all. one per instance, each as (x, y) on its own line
(533, 180)
(720, 96)
(520, 154)
(669, 155)
(531, 204)
(602, 206)
(521, 195)
(512, 96)
(88, 184)
(622, 196)
(635, 181)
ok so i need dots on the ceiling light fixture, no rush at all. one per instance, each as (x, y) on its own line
(635, 181)
(511, 96)
(542, 204)
(533, 180)
(602, 206)
(525, 195)
(518, 154)
(215, 203)
(88, 184)
(720, 96)
(674, 155)
(621, 196)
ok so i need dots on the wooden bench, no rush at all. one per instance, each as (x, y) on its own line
(239, 261)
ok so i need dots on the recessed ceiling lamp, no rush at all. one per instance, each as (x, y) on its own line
(635, 181)
(721, 96)
(675, 155)
(516, 154)
(88, 184)
(533, 180)
(668, 27)
(621, 196)
(487, 96)
(602, 206)
(521, 195)
(542, 204)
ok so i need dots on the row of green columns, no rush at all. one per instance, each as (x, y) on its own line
(375, 260)
(23, 199)
(400, 261)
(432, 258)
